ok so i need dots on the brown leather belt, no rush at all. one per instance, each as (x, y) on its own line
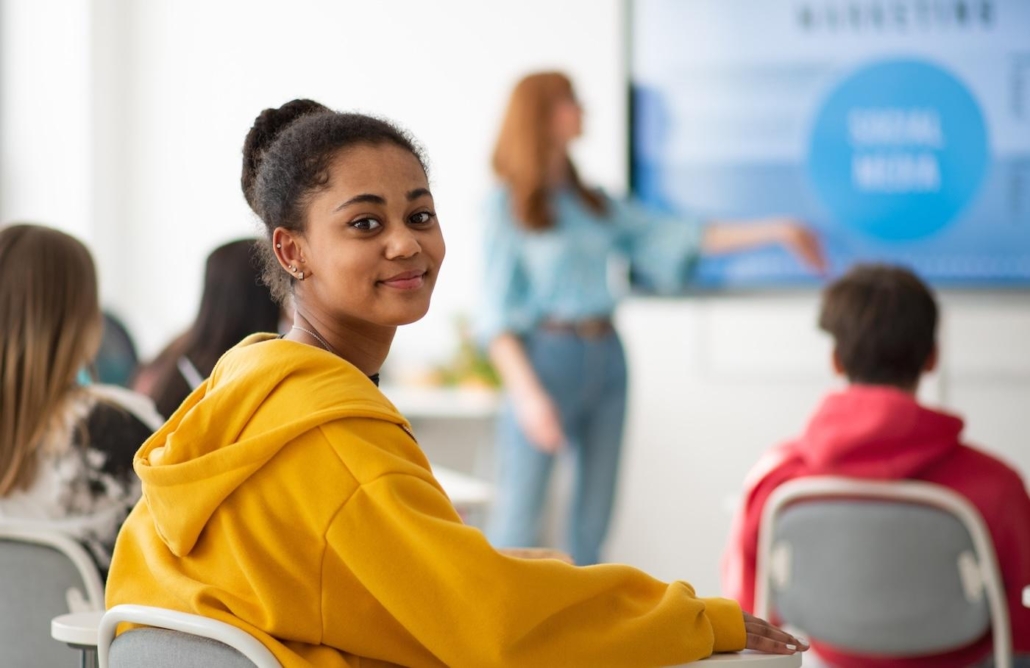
(594, 328)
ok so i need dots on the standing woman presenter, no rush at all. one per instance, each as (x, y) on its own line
(548, 309)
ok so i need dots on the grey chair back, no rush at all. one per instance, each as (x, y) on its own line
(164, 648)
(166, 638)
(42, 575)
(880, 576)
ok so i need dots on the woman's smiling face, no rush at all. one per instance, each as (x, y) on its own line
(372, 245)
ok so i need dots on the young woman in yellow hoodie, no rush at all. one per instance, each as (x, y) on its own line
(288, 497)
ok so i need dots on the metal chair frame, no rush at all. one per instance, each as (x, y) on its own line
(195, 625)
(937, 496)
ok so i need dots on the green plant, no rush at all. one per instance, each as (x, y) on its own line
(469, 366)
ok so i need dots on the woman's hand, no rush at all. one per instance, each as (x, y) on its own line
(764, 637)
(534, 410)
(803, 243)
(539, 419)
(536, 553)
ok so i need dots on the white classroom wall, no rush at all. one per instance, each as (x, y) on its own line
(45, 114)
(122, 120)
(155, 97)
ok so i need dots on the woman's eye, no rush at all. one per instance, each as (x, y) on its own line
(421, 218)
(366, 224)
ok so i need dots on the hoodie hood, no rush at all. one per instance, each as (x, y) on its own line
(866, 431)
(240, 418)
(876, 432)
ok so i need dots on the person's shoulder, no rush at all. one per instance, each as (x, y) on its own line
(373, 446)
(621, 208)
(250, 346)
(606, 197)
(263, 357)
(977, 462)
(272, 373)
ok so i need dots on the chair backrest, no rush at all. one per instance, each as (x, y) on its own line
(116, 359)
(895, 569)
(43, 574)
(175, 639)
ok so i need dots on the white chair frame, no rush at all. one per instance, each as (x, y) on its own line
(251, 648)
(937, 496)
(67, 546)
(162, 618)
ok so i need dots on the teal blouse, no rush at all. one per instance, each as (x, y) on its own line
(562, 273)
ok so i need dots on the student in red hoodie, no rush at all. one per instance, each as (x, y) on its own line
(883, 321)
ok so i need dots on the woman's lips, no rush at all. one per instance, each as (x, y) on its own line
(409, 280)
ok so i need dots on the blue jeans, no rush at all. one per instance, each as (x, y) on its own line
(586, 379)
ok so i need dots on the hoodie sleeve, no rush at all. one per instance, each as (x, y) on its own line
(468, 605)
(1010, 528)
(663, 250)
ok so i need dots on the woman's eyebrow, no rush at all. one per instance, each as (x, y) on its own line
(364, 198)
(369, 198)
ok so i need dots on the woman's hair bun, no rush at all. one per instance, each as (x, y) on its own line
(269, 124)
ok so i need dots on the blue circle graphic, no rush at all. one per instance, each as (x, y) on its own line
(898, 149)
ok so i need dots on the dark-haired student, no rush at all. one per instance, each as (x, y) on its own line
(235, 304)
(288, 496)
(883, 321)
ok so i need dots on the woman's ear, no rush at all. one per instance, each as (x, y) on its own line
(288, 247)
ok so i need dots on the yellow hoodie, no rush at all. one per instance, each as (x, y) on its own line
(287, 497)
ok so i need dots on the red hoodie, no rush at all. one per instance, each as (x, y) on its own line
(881, 433)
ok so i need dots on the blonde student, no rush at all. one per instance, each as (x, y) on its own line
(66, 445)
(288, 497)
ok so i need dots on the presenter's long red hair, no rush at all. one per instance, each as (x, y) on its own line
(525, 145)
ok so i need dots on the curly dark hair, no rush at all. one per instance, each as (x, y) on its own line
(286, 158)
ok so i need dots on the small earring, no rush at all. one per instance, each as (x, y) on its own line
(293, 269)
(278, 245)
(301, 277)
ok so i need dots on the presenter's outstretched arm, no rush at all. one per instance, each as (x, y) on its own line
(729, 236)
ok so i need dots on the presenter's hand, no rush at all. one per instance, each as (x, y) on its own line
(539, 419)
(764, 637)
(536, 553)
(802, 242)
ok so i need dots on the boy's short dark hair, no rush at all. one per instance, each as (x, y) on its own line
(883, 320)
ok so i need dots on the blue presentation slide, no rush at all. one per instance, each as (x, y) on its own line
(898, 129)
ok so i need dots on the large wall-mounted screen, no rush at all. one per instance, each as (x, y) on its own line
(899, 129)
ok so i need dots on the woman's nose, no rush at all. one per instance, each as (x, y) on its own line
(401, 243)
